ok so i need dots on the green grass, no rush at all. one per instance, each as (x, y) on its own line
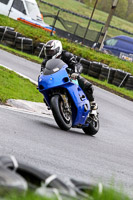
(82, 9)
(107, 194)
(28, 31)
(13, 86)
(110, 194)
(15, 195)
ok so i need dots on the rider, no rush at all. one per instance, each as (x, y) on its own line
(53, 49)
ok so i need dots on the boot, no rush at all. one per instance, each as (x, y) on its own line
(93, 114)
(93, 109)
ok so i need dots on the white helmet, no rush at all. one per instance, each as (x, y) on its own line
(53, 49)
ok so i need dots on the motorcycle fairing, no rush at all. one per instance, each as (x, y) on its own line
(59, 80)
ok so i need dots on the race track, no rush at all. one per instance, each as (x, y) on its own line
(37, 140)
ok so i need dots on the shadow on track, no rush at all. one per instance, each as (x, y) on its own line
(50, 123)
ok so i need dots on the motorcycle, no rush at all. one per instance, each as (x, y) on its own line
(66, 99)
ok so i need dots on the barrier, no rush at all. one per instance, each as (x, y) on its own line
(39, 50)
(24, 44)
(97, 70)
(86, 64)
(129, 83)
(104, 72)
(120, 78)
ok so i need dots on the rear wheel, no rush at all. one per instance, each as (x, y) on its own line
(93, 127)
(61, 112)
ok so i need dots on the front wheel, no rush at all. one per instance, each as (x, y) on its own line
(93, 127)
(61, 112)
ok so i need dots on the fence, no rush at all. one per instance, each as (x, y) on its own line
(73, 31)
(65, 22)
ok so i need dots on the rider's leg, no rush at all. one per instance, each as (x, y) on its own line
(88, 89)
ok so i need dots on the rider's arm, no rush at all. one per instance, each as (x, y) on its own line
(43, 64)
(72, 62)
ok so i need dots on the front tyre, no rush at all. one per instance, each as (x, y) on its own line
(62, 115)
(93, 127)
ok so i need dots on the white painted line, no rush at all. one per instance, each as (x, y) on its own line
(35, 82)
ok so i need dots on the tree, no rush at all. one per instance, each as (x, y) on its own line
(104, 5)
(129, 9)
(82, 1)
(89, 2)
(121, 10)
(124, 8)
(130, 17)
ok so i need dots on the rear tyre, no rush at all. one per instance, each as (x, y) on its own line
(63, 116)
(93, 127)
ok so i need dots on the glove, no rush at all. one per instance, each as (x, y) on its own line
(78, 68)
(74, 76)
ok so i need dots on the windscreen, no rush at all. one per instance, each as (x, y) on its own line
(33, 11)
(52, 66)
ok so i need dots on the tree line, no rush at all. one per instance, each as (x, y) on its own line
(124, 8)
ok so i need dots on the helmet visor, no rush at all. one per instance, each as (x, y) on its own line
(49, 52)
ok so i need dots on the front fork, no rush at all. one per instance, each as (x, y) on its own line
(67, 105)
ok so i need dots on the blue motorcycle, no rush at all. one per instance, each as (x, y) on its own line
(66, 99)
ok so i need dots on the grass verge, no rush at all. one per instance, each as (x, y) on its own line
(106, 194)
(13, 86)
(27, 196)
